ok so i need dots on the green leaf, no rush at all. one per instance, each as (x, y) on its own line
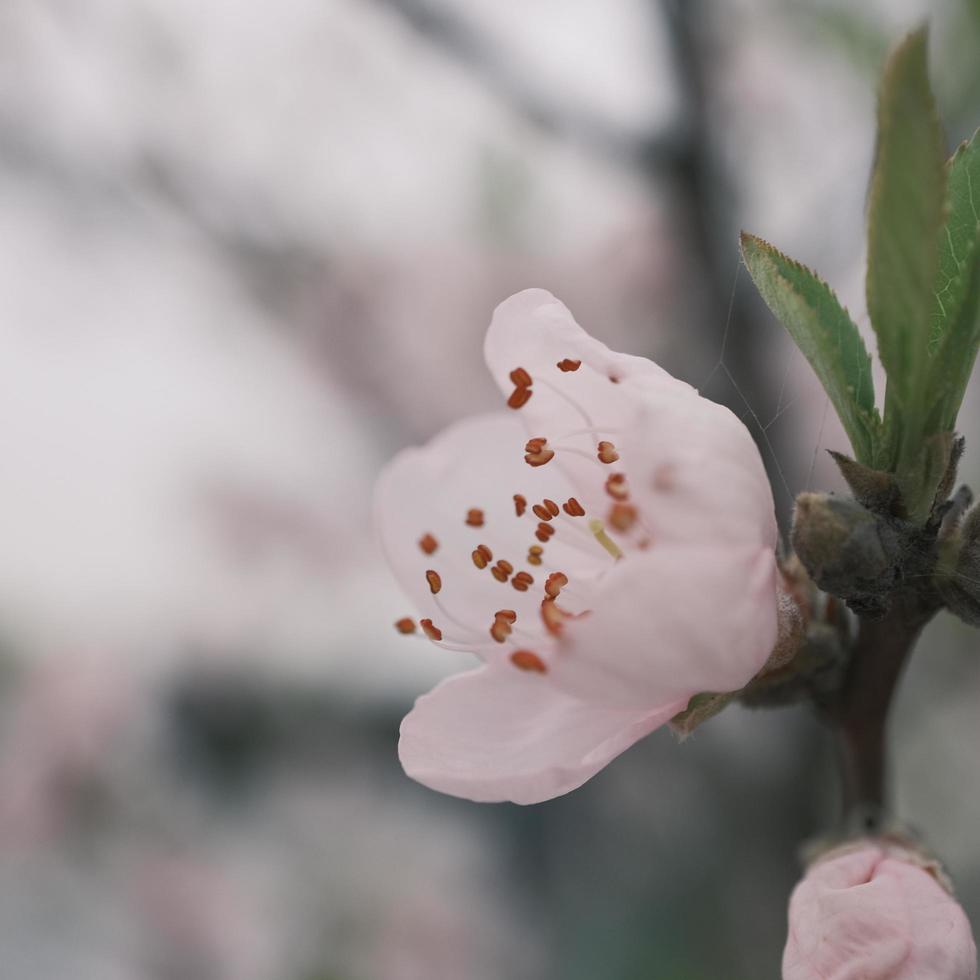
(826, 335)
(908, 190)
(956, 324)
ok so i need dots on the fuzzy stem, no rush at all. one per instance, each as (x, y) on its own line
(880, 652)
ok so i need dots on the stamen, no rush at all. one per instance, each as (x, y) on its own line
(534, 554)
(435, 582)
(474, 517)
(541, 512)
(552, 506)
(522, 581)
(431, 631)
(502, 570)
(521, 394)
(509, 615)
(428, 543)
(573, 508)
(482, 556)
(599, 532)
(556, 581)
(606, 452)
(500, 629)
(553, 616)
(569, 365)
(537, 453)
(405, 625)
(520, 504)
(544, 532)
(528, 660)
(617, 487)
(519, 397)
(622, 516)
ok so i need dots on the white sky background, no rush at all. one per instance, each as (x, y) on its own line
(140, 379)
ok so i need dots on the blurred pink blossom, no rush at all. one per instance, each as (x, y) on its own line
(606, 549)
(872, 911)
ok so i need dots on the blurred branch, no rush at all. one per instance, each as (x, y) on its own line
(445, 29)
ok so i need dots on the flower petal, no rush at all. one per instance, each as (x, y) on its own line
(673, 622)
(476, 463)
(498, 734)
(693, 470)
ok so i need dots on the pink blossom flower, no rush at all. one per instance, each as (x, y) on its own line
(605, 547)
(872, 911)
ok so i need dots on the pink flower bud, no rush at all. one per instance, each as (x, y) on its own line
(874, 911)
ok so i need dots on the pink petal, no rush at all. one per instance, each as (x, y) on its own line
(497, 733)
(672, 622)
(869, 914)
(476, 463)
(693, 470)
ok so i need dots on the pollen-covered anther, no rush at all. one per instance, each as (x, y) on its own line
(573, 508)
(502, 625)
(606, 452)
(508, 615)
(544, 532)
(482, 556)
(520, 504)
(434, 580)
(528, 660)
(569, 364)
(552, 507)
(428, 544)
(537, 453)
(522, 581)
(522, 392)
(405, 625)
(474, 517)
(553, 616)
(622, 516)
(616, 486)
(541, 512)
(431, 631)
(555, 582)
(534, 554)
(502, 570)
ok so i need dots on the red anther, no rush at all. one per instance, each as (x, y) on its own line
(508, 615)
(606, 452)
(428, 543)
(435, 582)
(622, 516)
(553, 617)
(544, 532)
(500, 630)
(519, 397)
(573, 508)
(474, 517)
(616, 486)
(534, 554)
(556, 581)
(521, 378)
(541, 512)
(528, 660)
(431, 631)
(405, 625)
(569, 365)
(479, 558)
(520, 504)
(505, 566)
(522, 581)
(552, 506)
(502, 570)
(537, 453)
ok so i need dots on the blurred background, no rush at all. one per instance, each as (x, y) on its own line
(249, 252)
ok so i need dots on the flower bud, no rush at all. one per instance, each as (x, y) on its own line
(877, 911)
(848, 551)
